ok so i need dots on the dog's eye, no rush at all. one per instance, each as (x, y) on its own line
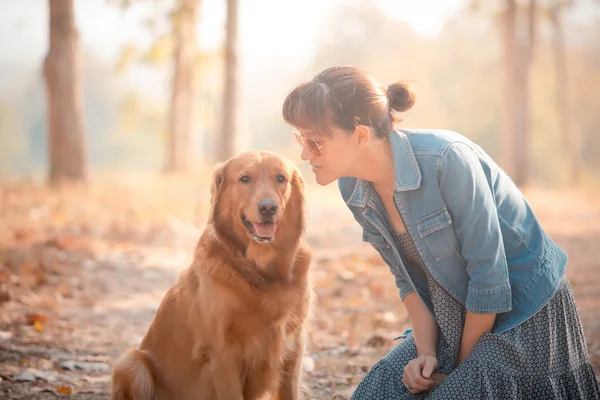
(281, 179)
(245, 179)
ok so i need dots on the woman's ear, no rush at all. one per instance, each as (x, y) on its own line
(216, 188)
(362, 135)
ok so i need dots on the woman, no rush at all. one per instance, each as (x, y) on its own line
(493, 315)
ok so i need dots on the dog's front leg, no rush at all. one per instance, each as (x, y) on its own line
(291, 382)
(226, 378)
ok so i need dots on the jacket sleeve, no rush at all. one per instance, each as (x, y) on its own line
(403, 285)
(471, 204)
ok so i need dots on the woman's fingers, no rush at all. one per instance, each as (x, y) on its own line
(416, 388)
(413, 380)
(415, 373)
(429, 366)
(438, 378)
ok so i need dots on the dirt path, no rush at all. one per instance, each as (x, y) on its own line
(76, 291)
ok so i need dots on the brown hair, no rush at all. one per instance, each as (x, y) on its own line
(346, 97)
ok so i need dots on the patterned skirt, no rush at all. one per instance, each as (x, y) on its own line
(543, 358)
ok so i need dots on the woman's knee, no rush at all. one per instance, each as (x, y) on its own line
(382, 378)
(386, 375)
(393, 363)
(401, 354)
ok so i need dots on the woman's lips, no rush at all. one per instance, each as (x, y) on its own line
(315, 167)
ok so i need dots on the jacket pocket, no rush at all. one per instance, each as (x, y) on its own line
(438, 234)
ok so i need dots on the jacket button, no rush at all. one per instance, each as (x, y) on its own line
(437, 258)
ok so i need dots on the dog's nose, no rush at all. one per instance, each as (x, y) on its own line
(267, 207)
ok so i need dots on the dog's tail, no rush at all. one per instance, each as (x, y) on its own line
(134, 376)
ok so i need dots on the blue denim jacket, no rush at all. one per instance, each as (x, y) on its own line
(474, 230)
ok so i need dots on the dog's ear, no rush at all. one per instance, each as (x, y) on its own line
(216, 188)
(297, 196)
(298, 182)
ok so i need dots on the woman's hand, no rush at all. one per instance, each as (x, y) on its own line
(418, 373)
(438, 378)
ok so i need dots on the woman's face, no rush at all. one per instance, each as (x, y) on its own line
(339, 152)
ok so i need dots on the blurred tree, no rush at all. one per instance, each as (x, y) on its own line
(231, 98)
(525, 52)
(570, 134)
(518, 25)
(179, 153)
(584, 79)
(532, 129)
(193, 77)
(513, 92)
(62, 71)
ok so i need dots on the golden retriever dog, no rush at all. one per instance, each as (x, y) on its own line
(234, 324)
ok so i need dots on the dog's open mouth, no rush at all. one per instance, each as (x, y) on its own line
(262, 231)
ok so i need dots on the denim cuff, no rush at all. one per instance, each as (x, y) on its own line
(404, 291)
(490, 300)
(403, 285)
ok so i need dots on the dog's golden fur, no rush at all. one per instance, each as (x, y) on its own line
(234, 324)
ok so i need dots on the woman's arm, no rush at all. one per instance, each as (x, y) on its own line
(418, 373)
(476, 325)
(425, 329)
(471, 203)
(466, 183)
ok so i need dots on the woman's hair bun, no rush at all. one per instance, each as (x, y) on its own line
(401, 96)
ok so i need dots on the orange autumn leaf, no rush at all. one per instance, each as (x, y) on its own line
(36, 320)
(32, 318)
(37, 325)
(63, 390)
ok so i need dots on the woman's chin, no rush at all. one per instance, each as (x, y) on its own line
(323, 179)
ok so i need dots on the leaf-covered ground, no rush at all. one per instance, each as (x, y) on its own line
(82, 271)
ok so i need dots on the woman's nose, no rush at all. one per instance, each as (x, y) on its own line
(306, 154)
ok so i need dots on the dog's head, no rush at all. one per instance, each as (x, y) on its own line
(258, 195)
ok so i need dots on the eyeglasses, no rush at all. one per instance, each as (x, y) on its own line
(313, 146)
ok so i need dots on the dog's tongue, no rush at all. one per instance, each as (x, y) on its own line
(265, 230)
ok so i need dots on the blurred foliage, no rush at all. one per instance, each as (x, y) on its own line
(457, 75)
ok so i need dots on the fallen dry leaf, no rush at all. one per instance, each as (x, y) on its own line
(37, 325)
(64, 390)
(36, 320)
(32, 318)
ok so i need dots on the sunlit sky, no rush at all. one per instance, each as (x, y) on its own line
(290, 26)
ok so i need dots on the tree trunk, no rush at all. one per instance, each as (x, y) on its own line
(231, 108)
(179, 141)
(509, 42)
(570, 135)
(62, 71)
(522, 98)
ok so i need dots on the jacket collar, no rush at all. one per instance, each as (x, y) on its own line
(406, 171)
